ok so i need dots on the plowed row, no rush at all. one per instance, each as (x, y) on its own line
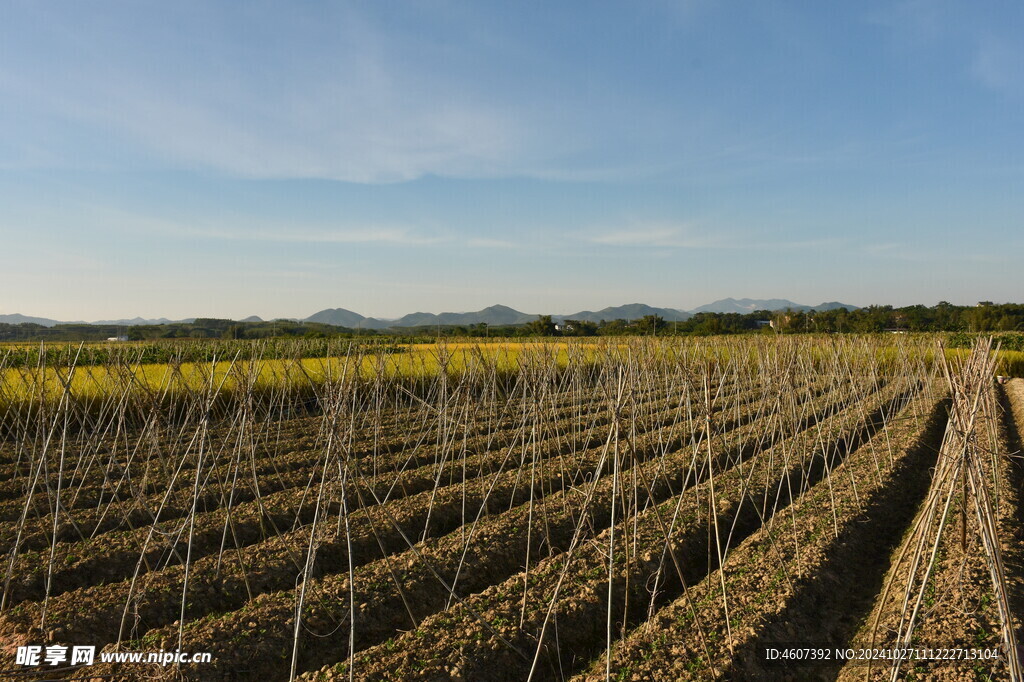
(640, 518)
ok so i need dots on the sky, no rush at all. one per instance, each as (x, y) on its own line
(224, 159)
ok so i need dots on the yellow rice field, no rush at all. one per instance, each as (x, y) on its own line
(89, 382)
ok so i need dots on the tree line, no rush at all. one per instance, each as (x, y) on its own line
(943, 317)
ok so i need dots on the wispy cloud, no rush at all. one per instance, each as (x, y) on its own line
(989, 258)
(343, 91)
(917, 21)
(261, 231)
(659, 235)
(343, 235)
(883, 248)
(47, 261)
(999, 65)
(687, 236)
(989, 50)
(904, 255)
(341, 101)
(485, 243)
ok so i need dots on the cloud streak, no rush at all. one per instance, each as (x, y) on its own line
(659, 235)
(346, 107)
(486, 243)
(129, 222)
(988, 50)
(999, 65)
(345, 92)
(687, 236)
(398, 236)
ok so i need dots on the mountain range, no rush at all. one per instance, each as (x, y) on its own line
(494, 315)
(46, 322)
(749, 305)
(503, 315)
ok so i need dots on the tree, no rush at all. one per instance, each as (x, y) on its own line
(580, 328)
(650, 324)
(542, 326)
(707, 323)
(235, 331)
(612, 328)
(1007, 323)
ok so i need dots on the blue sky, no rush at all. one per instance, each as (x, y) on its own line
(228, 159)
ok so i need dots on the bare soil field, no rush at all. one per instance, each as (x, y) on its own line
(649, 510)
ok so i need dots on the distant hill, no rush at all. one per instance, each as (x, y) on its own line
(631, 311)
(749, 305)
(46, 322)
(833, 305)
(17, 318)
(374, 323)
(415, 320)
(339, 317)
(135, 321)
(496, 315)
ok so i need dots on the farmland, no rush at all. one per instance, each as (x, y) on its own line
(617, 509)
